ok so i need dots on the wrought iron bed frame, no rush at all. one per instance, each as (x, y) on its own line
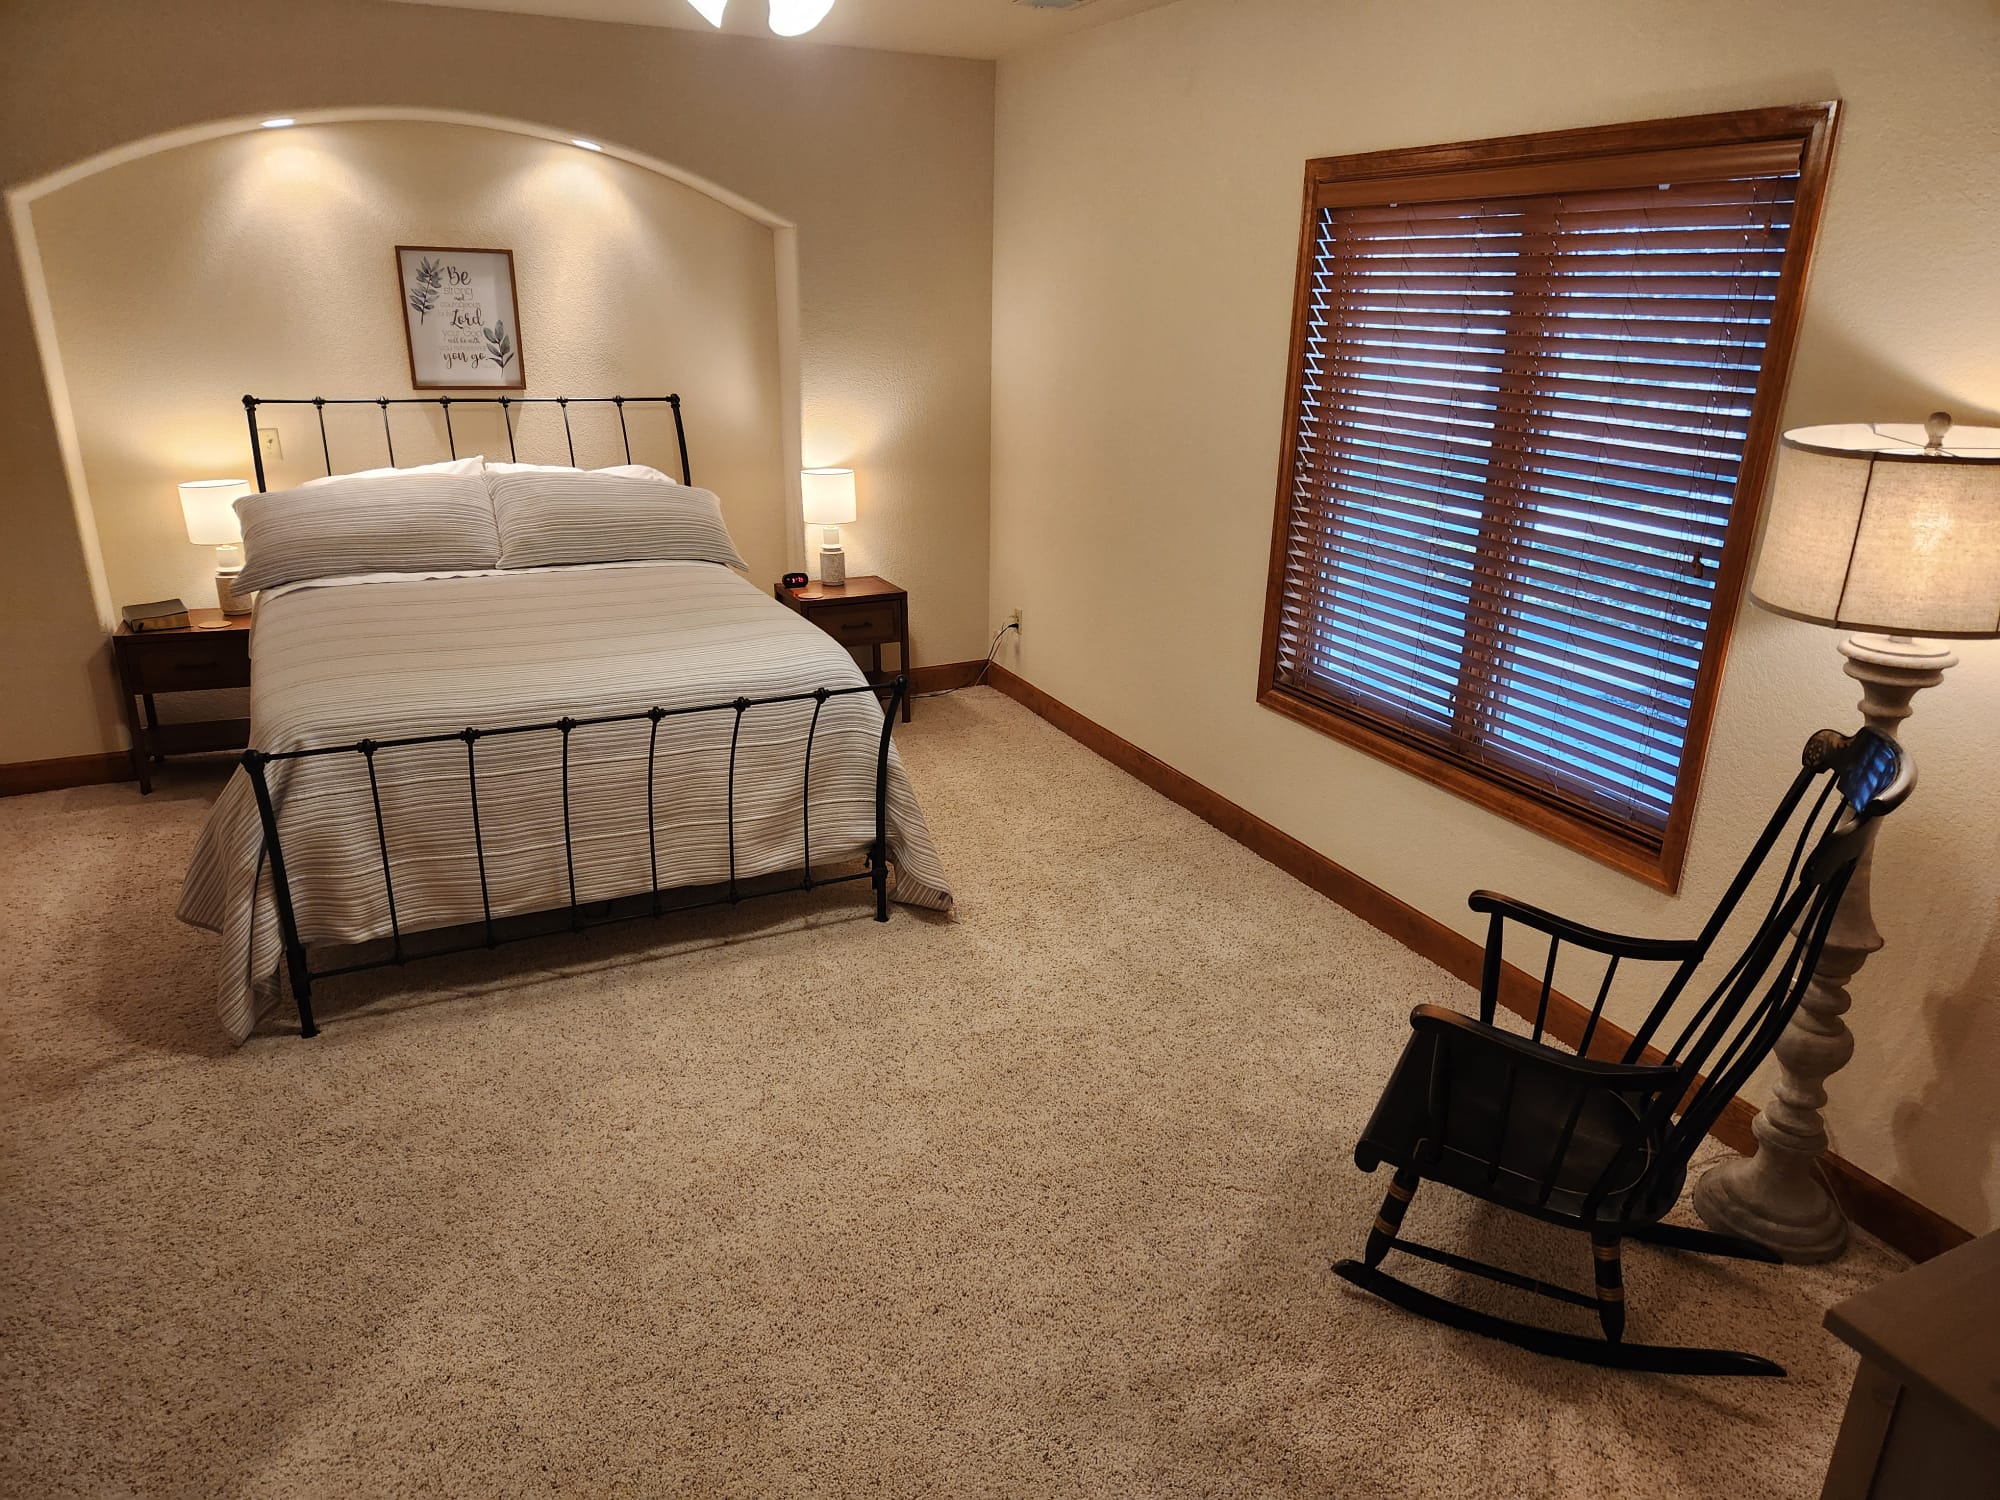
(257, 763)
(446, 403)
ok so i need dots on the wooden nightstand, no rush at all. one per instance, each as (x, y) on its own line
(151, 662)
(865, 611)
(1924, 1416)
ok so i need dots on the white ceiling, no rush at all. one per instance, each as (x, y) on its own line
(955, 28)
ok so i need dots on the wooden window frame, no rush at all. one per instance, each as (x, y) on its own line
(1607, 156)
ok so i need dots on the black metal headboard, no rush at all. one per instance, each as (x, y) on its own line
(446, 403)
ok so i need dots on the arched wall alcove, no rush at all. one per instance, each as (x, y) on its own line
(169, 276)
(882, 161)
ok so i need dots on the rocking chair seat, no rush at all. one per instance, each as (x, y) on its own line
(1511, 1107)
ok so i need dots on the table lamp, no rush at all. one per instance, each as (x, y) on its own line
(1892, 532)
(829, 497)
(208, 506)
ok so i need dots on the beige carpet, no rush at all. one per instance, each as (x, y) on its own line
(1036, 1200)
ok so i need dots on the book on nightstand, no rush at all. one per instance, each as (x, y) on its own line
(161, 614)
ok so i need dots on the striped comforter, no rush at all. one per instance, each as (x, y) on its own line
(340, 661)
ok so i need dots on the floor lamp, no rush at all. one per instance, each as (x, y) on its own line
(1892, 532)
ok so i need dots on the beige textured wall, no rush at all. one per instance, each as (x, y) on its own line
(883, 161)
(1147, 202)
(261, 262)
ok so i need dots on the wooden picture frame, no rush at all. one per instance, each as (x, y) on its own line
(461, 318)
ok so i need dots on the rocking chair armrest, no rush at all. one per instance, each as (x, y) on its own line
(1587, 1070)
(1612, 944)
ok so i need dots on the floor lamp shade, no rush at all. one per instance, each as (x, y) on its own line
(1876, 528)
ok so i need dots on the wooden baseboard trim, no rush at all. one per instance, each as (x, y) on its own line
(25, 776)
(943, 678)
(1885, 1212)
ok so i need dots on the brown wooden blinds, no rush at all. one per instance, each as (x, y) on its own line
(1526, 399)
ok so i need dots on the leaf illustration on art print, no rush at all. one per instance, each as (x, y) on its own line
(424, 295)
(498, 345)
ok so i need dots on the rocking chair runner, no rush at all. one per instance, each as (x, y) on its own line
(1603, 1146)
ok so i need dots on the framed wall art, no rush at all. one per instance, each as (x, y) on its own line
(461, 319)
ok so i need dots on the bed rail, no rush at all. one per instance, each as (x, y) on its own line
(298, 962)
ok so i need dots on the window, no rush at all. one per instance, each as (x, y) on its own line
(1534, 388)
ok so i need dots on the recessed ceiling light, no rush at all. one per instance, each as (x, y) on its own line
(278, 122)
(577, 140)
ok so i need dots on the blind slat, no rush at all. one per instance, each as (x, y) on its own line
(1617, 556)
(1619, 486)
(1625, 204)
(1391, 418)
(1611, 375)
(1651, 635)
(1424, 335)
(1704, 230)
(1748, 307)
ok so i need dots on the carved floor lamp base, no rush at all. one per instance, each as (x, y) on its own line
(1777, 1197)
(1737, 1198)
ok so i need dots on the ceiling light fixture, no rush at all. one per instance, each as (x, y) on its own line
(788, 17)
(279, 122)
(797, 17)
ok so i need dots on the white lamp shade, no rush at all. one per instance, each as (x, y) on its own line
(1869, 531)
(829, 496)
(209, 508)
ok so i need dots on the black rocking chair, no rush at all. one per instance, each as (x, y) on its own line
(1603, 1146)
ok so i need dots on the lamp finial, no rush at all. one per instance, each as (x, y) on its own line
(1938, 424)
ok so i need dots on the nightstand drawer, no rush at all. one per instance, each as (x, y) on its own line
(179, 663)
(859, 624)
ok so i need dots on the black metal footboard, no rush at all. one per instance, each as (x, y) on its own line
(298, 965)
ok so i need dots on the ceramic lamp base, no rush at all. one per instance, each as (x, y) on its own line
(832, 565)
(231, 602)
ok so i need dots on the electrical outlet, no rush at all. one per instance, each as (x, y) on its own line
(1015, 619)
(268, 444)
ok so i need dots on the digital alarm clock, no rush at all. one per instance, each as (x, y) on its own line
(796, 580)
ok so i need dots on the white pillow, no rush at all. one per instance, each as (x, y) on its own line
(367, 525)
(547, 518)
(617, 471)
(457, 466)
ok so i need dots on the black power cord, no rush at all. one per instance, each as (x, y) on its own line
(980, 678)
